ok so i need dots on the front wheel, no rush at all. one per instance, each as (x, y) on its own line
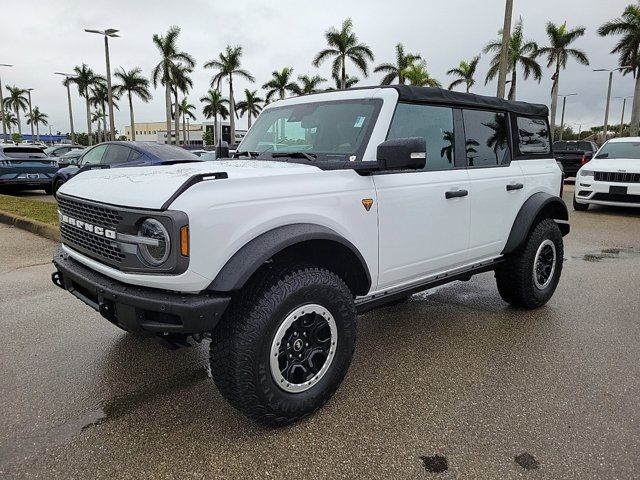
(56, 186)
(285, 345)
(529, 277)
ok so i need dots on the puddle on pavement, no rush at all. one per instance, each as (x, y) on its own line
(25, 445)
(527, 461)
(608, 254)
(435, 463)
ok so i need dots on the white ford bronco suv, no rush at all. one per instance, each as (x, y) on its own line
(336, 203)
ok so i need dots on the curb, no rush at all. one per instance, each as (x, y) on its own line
(34, 226)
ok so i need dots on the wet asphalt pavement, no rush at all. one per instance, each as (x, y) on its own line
(453, 381)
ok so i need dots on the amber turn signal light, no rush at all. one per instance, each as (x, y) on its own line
(184, 241)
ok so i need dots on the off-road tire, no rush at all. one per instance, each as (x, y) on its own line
(514, 277)
(241, 344)
(580, 207)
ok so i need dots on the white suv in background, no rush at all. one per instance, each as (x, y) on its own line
(336, 203)
(612, 177)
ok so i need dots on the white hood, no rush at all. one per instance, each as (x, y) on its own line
(150, 187)
(629, 165)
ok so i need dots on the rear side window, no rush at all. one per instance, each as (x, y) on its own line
(533, 136)
(434, 124)
(487, 138)
(116, 154)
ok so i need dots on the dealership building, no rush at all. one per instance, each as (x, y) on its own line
(157, 132)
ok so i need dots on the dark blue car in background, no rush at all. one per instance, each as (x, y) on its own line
(123, 154)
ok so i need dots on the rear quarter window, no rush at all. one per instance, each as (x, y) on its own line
(533, 137)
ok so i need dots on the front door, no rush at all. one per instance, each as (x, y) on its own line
(423, 216)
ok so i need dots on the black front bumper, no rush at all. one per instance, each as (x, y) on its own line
(139, 309)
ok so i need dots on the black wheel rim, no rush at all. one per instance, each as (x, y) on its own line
(544, 264)
(303, 348)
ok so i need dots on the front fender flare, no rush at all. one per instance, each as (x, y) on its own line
(539, 203)
(246, 261)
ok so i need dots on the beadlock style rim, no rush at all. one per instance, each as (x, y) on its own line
(303, 348)
(544, 264)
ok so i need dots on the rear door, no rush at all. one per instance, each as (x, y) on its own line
(496, 190)
(423, 216)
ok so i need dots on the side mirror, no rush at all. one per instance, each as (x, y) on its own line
(402, 154)
(222, 150)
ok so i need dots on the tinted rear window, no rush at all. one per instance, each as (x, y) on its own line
(573, 146)
(23, 152)
(167, 152)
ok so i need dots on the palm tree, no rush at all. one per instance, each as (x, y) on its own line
(396, 71)
(99, 99)
(97, 117)
(350, 81)
(417, 74)
(185, 108)
(280, 84)
(132, 83)
(10, 119)
(161, 73)
(308, 84)
(344, 44)
(215, 105)
(466, 71)
(37, 118)
(250, 105)
(628, 50)
(17, 101)
(228, 64)
(521, 52)
(85, 78)
(181, 82)
(558, 53)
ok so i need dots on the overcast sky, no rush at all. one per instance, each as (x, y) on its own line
(43, 37)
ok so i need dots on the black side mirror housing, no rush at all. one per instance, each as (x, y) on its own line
(222, 150)
(402, 154)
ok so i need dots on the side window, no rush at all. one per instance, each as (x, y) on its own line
(93, 156)
(135, 156)
(487, 138)
(116, 154)
(434, 124)
(533, 136)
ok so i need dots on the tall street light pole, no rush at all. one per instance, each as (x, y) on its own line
(624, 101)
(606, 110)
(564, 104)
(109, 32)
(504, 51)
(67, 77)
(29, 90)
(4, 123)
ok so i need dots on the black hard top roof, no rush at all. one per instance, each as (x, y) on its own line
(409, 93)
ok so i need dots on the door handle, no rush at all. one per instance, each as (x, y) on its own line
(455, 193)
(514, 186)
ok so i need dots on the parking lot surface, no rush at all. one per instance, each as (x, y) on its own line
(453, 381)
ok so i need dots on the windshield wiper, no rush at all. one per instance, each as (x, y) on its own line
(308, 156)
(246, 153)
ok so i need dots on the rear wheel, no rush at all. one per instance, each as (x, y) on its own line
(580, 207)
(529, 276)
(285, 344)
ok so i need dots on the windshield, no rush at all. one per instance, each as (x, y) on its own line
(614, 150)
(335, 130)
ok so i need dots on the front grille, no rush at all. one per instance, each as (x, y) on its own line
(99, 247)
(619, 177)
(96, 215)
(616, 197)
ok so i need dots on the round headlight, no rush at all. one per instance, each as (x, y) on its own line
(157, 250)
